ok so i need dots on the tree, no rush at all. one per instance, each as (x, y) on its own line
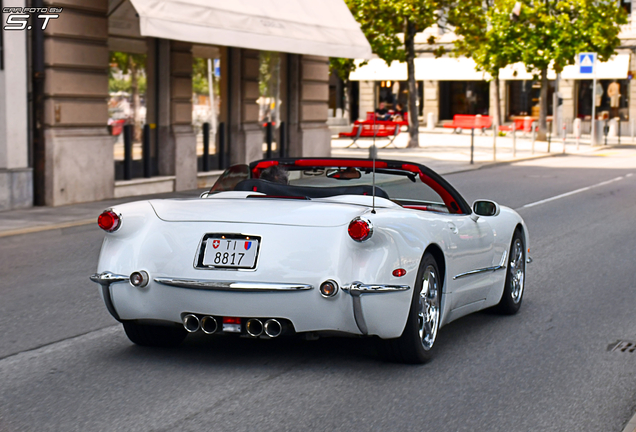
(132, 65)
(549, 33)
(390, 27)
(484, 30)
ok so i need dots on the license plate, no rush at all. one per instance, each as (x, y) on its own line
(229, 251)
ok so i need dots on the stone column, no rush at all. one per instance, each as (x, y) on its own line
(431, 99)
(567, 89)
(16, 177)
(246, 135)
(367, 98)
(182, 139)
(78, 151)
(314, 106)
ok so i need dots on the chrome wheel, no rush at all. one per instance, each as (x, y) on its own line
(517, 271)
(428, 312)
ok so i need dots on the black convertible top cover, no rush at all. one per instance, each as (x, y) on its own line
(277, 189)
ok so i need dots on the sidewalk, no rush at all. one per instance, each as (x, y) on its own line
(441, 150)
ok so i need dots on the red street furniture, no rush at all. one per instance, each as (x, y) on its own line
(466, 121)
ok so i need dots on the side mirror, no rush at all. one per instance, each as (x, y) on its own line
(485, 208)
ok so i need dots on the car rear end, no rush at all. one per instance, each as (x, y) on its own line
(255, 266)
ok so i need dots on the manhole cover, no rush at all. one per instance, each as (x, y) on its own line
(622, 346)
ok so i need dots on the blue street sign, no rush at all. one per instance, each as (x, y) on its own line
(586, 63)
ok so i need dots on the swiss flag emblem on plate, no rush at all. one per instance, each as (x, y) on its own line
(215, 244)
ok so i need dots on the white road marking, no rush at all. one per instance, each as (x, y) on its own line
(536, 203)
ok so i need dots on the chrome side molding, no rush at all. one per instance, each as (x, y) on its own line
(202, 284)
(106, 278)
(358, 288)
(502, 265)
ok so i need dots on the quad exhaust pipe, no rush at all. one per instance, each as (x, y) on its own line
(209, 325)
(191, 323)
(273, 328)
(254, 327)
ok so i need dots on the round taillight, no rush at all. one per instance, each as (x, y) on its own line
(360, 229)
(109, 221)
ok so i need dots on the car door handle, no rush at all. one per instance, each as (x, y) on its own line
(452, 227)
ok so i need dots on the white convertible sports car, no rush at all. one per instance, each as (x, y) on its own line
(312, 247)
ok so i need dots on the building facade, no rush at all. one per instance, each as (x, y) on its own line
(118, 98)
(449, 86)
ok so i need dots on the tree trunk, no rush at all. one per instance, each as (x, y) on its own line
(543, 106)
(497, 110)
(410, 66)
(135, 102)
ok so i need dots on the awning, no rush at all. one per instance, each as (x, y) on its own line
(323, 28)
(378, 70)
(447, 69)
(463, 69)
(434, 69)
(616, 68)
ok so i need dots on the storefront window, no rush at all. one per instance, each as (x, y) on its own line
(463, 97)
(524, 98)
(206, 109)
(611, 99)
(127, 106)
(270, 100)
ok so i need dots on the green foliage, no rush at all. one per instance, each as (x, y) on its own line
(551, 33)
(486, 33)
(200, 76)
(384, 22)
(122, 66)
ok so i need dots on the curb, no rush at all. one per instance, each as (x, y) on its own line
(81, 222)
(40, 228)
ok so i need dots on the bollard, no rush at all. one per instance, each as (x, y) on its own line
(514, 140)
(145, 152)
(268, 139)
(206, 146)
(128, 155)
(472, 145)
(618, 126)
(564, 135)
(282, 151)
(534, 134)
(606, 131)
(576, 129)
(221, 154)
(631, 130)
(494, 143)
(373, 152)
(549, 135)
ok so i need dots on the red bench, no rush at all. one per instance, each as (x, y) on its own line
(371, 129)
(521, 124)
(465, 121)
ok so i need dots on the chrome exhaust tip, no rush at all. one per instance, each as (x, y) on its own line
(209, 325)
(273, 328)
(191, 323)
(254, 327)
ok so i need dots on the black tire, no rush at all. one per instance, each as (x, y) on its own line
(411, 347)
(515, 277)
(154, 335)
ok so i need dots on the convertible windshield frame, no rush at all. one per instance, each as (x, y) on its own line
(452, 199)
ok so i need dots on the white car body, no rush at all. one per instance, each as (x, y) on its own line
(303, 243)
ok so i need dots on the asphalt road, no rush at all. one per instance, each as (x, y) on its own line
(66, 366)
